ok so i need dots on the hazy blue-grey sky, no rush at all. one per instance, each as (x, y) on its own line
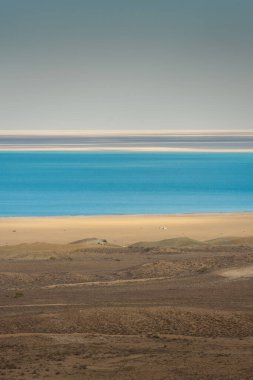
(126, 64)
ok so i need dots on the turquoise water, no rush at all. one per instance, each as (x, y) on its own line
(71, 183)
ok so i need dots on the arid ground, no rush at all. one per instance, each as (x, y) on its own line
(173, 309)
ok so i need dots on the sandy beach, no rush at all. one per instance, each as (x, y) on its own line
(124, 229)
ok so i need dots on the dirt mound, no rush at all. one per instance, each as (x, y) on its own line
(92, 241)
(162, 268)
(173, 243)
(134, 321)
(23, 280)
(47, 251)
(232, 241)
(155, 269)
(185, 242)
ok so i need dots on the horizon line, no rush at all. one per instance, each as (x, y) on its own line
(56, 132)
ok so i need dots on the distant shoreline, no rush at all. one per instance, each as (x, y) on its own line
(127, 141)
(129, 132)
(126, 150)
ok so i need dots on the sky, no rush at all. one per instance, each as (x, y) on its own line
(126, 64)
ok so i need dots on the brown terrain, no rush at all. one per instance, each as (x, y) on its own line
(172, 309)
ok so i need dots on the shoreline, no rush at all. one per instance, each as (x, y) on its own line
(124, 229)
(128, 215)
(127, 141)
(124, 150)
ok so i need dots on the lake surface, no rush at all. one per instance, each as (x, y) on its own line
(97, 183)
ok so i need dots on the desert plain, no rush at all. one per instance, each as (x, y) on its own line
(127, 297)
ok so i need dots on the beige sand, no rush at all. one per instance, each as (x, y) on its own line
(244, 272)
(124, 229)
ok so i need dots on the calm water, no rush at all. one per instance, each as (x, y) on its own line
(68, 183)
